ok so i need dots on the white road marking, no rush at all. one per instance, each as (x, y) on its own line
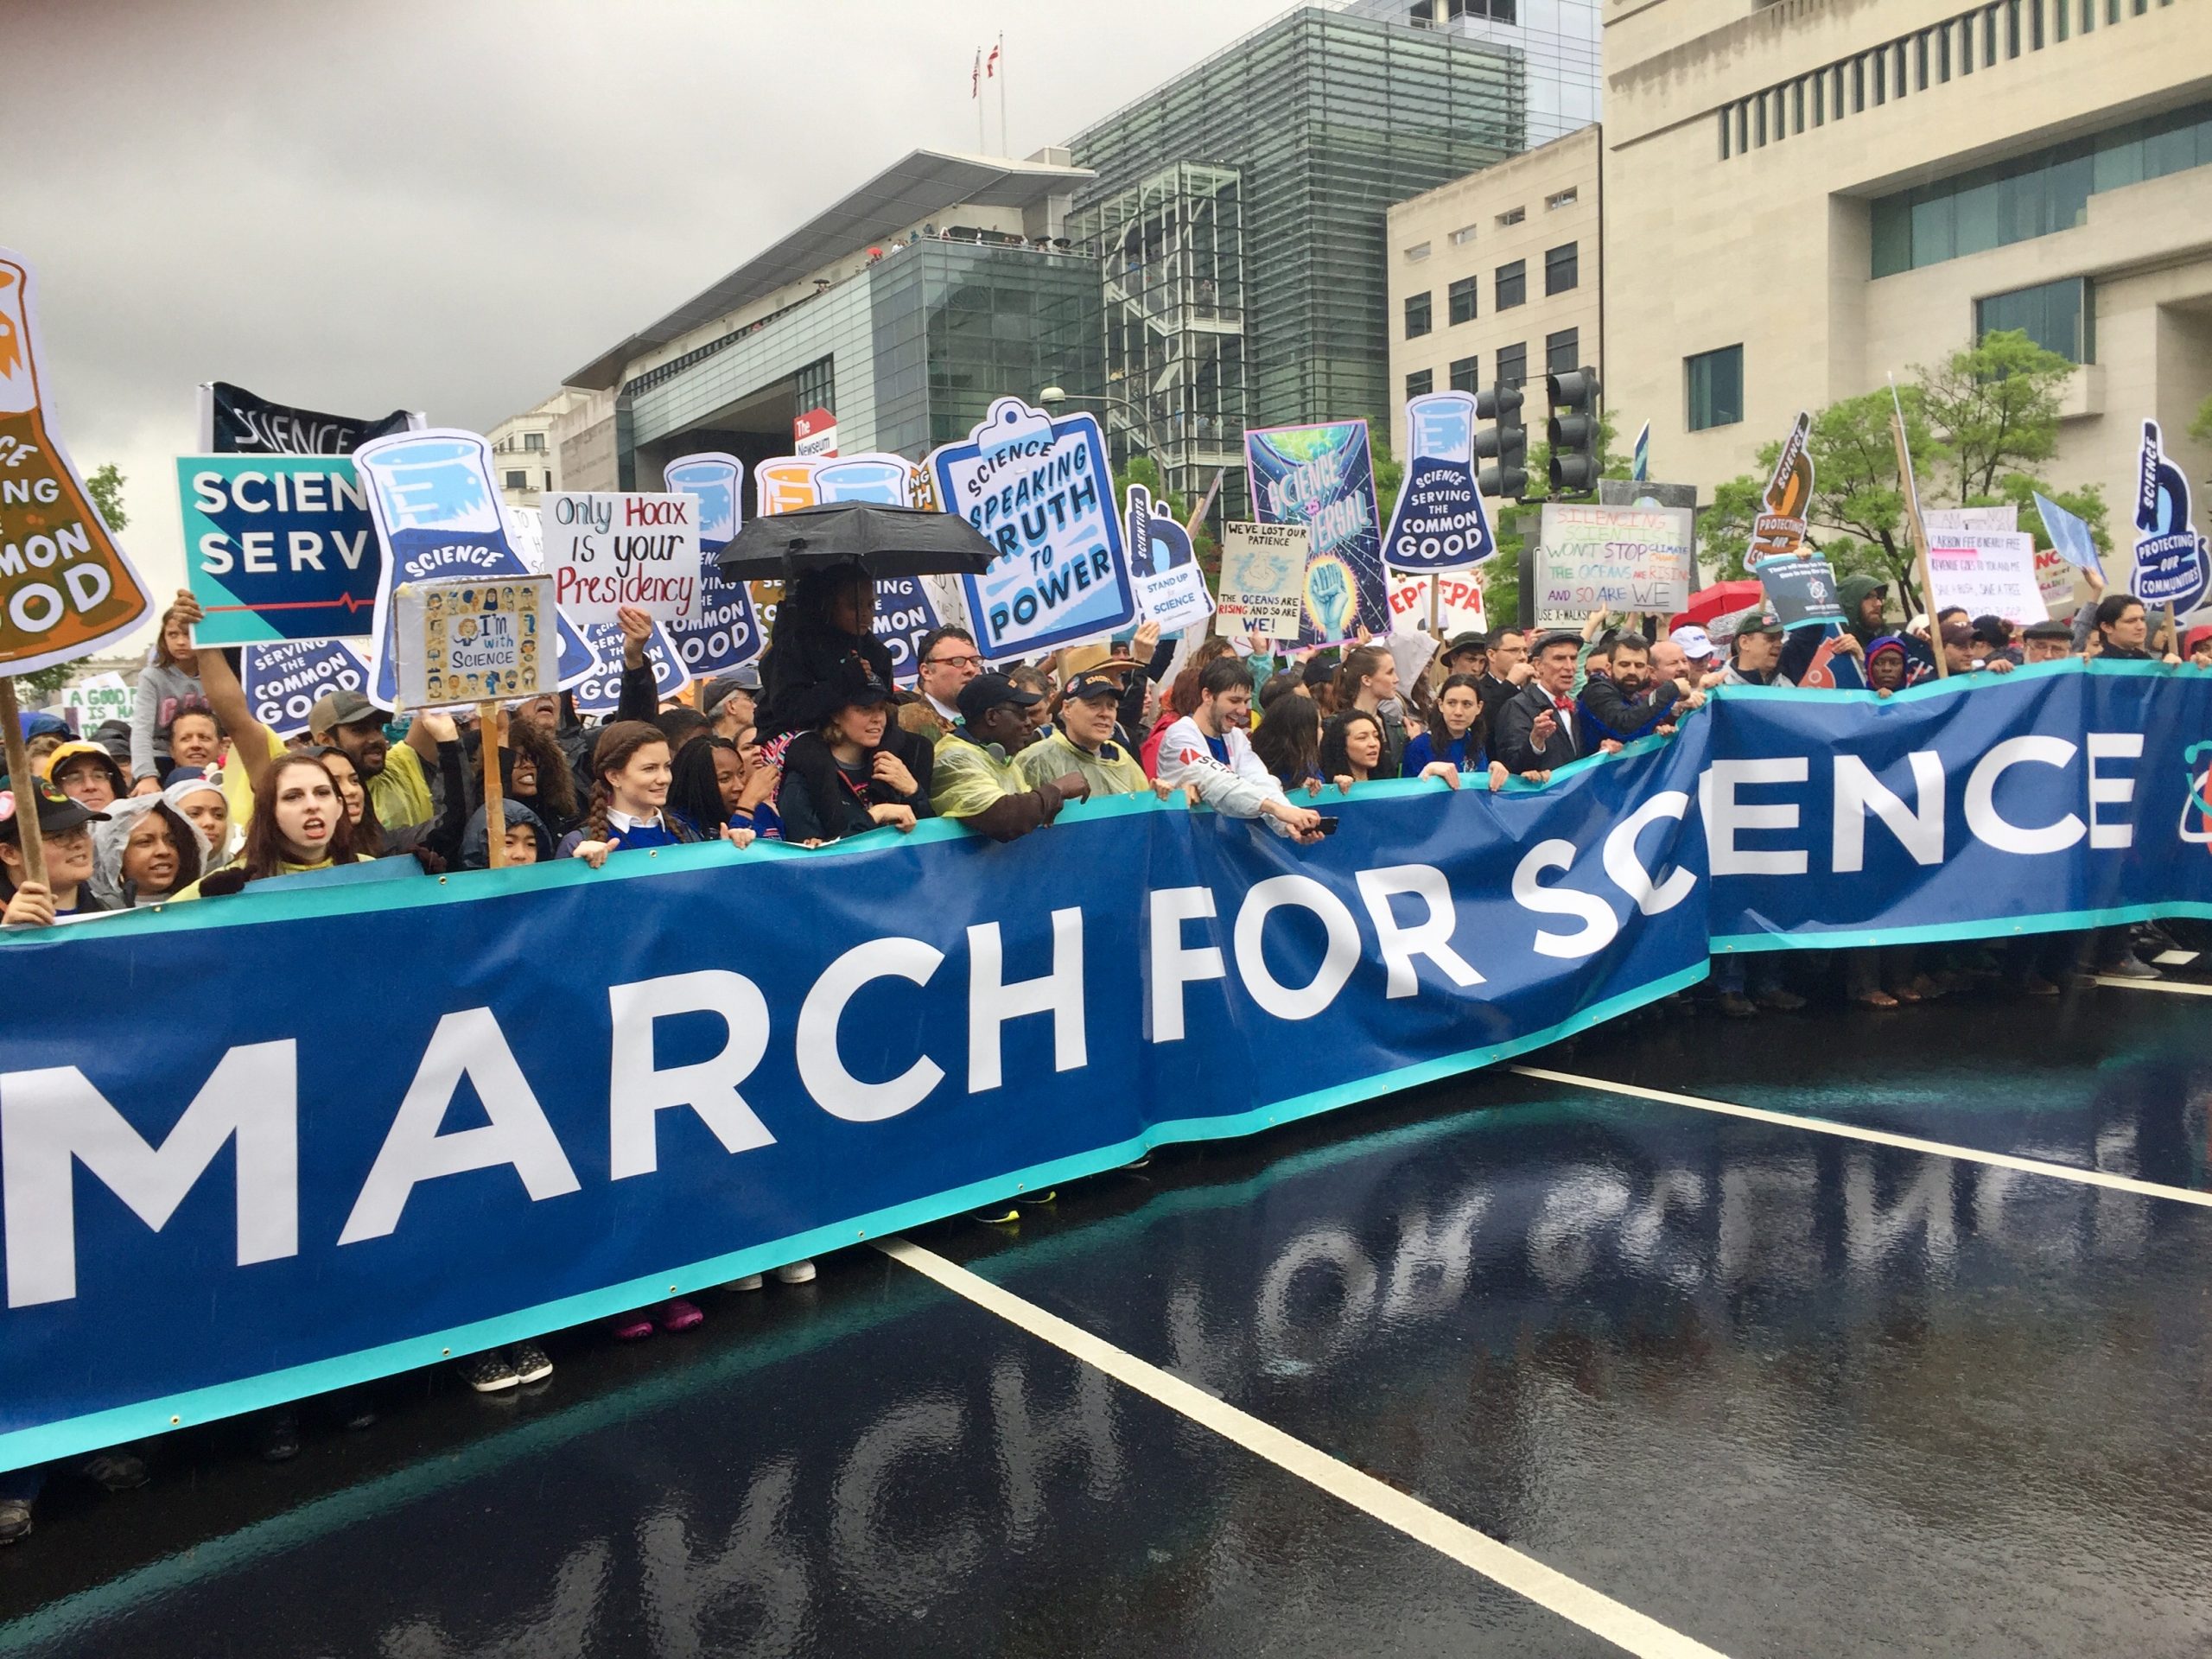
(1880, 1137)
(2174, 985)
(1598, 1614)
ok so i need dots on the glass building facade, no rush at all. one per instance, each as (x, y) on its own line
(1325, 119)
(1555, 46)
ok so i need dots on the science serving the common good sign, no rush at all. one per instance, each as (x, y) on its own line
(205, 1216)
(283, 680)
(1041, 492)
(725, 630)
(1439, 522)
(436, 511)
(278, 547)
(1323, 478)
(66, 587)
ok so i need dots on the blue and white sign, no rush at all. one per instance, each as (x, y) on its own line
(599, 692)
(904, 613)
(436, 511)
(2070, 535)
(2171, 565)
(771, 1053)
(278, 547)
(283, 681)
(1171, 589)
(1438, 523)
(1041, 492)
(1322, 477)
(726, 631)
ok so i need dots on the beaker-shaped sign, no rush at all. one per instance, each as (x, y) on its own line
(66, 587)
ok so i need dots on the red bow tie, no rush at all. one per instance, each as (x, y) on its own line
(1565, 705)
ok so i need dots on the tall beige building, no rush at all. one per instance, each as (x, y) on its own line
(1497, 276)
(524, 456)
(1805, 196)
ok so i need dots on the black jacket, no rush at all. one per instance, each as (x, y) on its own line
(1516, 718)
(1609, 712)
(800, 660)
(815, 802)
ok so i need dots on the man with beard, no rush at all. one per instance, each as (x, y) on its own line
(1629, 702)
(398, 788)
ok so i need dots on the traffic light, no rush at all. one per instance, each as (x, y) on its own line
(1572, 430)
(1505, 442)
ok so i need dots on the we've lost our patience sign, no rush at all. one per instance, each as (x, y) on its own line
(609, 552)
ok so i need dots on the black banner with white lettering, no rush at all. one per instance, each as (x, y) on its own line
(235, 422)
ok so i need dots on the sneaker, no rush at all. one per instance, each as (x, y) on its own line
(999, 1215)
(529, 1363)
(277, 1436)
(796, 1272)
(1781, 1001)
(677, 1314)
(117, 1472)
(631, 1327)
(750, 1282)
(1737, 1006)
(489, 1372)
(2128, 968)
(15, 1520)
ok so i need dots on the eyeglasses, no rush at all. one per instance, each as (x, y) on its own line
(970, 661)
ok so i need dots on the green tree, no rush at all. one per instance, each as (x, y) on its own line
(106, 487)
(1978, 425)
(2200, 428)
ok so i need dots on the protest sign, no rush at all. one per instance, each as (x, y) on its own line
(1041, 492)
(2069, 534)
(725, 630)
(236, 422)
(608, 551)
(1263, 579)
(282, 680)
(2055, 574)
(1438, 523)
(1779, 529)
(437, 514)
(1171, 589)
(1322, 476)
(463, 640)
(278, 547)
(904, 611)
(1455, 608)
(1974, 521)
(88, 704)
(1801, 590)
(321, 1204)
(1990, 573)
(1630, 559)
(2171, 564)
(599, 692)
(66, 587)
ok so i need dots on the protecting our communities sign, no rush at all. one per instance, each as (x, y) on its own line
(66, 587)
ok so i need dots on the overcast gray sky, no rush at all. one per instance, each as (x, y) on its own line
(448, 205)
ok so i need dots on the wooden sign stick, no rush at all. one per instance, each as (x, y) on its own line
(495, 805)
(25, 785)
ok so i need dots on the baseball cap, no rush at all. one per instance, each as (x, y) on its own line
(988, 691)
(335, 709)
(1958, 633)
(1104, 681)
(1693, 640)
(57, 813)
(1760, 622)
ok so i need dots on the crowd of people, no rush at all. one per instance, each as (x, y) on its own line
(197, 799)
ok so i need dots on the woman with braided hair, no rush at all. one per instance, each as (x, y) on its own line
(631, 773)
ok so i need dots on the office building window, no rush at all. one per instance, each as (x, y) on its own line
(1797, 106)
(518, 480)
(1420, 383)
(1416, 253)
(1758, 120)
(1724, 134)
(1820, 98)
(533, 440)
(1563, 351)
(1512, 216)
(2035, 194)
(1417, 322)
(1512, 364)
(1564, 199)
(1466, 374)
(2058, 317)
(1714, 382)
(1460, 298)
(1464, 235)
(1943, 53)
(1743, 127)
(1562, 269)
(1512, 284)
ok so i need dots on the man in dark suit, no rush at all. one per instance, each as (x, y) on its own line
(1538, 729)
(1505, 672)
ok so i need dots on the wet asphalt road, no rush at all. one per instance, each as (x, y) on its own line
(1786, 1393)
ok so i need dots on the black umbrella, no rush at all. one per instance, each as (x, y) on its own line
(884, 541)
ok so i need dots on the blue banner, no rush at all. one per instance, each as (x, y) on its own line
(574, 1092)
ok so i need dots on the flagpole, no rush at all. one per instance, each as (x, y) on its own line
(975, 92)
(1919, 532)
(998, 55)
